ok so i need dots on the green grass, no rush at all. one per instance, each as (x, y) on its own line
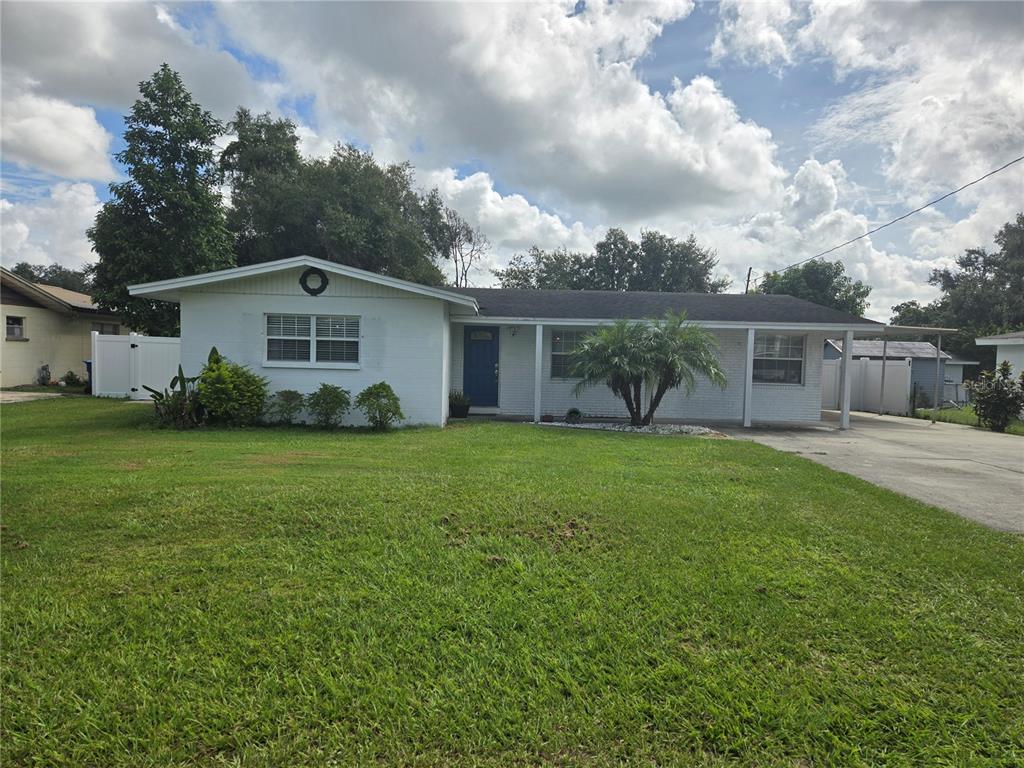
(966, 416)
(490, 594)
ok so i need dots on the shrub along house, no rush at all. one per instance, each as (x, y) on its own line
(302, 321)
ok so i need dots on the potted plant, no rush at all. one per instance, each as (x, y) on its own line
(458, 404)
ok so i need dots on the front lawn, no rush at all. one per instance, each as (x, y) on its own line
(489, 594)
(966, 416)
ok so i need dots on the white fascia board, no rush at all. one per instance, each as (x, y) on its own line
(169, 288)
(998, 342)
(858, 328)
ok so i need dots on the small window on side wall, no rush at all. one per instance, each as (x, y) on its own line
(107, 329)
(778, 359)
(15, 328)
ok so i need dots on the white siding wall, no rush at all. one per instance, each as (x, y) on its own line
(707, 403)
(402, 336)
(1014, 353)
(794, 402)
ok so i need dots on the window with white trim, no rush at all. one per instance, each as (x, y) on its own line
(563, 343)
(778, 359)
(313, 339)
(109, 329)
(15, 328)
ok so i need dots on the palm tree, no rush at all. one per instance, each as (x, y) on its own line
(661, 355)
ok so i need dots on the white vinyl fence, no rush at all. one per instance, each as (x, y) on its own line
(122, 365)
(866, 384)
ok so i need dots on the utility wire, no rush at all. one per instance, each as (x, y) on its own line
(890, 223)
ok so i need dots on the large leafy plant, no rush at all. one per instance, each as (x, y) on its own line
(998, 398)
(230, 393)
(178, 405)
(630, 357)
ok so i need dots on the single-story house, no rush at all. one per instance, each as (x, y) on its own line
(922, 363)
(46, 325)
(302, 321)
(1009, 346)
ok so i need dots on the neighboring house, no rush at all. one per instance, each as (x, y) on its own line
(302, 321)
(1009, 346)
(955, 389)
(922, 362)
(46, 325)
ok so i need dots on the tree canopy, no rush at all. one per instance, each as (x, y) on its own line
(657, 263)
(982, 295)
(166, 220)
(54, 274)
(346, 208)
(823, 282)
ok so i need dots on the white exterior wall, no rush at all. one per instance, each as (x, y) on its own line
(707, 403)
(794, 402)
(402, 337)
(1014, 353)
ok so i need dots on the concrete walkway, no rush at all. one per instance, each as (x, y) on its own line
(24, 397)
(975, 473)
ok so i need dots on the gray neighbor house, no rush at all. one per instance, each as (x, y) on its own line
(922, 365)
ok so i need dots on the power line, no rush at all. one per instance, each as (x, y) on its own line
(890, 223)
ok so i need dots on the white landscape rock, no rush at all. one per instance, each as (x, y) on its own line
(653, 429)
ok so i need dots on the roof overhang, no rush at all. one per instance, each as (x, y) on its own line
(983, 342)
(37, 294)
(171, 290)
(863, 329)
(913, 330)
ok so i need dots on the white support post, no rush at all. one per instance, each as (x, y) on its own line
(845, 377)
(538, 370)
(881, 391)
(938, 376)
(748, 381)
(93, 378)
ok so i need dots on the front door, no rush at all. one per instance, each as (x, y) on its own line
(480, 365)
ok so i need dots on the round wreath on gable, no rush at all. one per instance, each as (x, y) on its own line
(319, 282)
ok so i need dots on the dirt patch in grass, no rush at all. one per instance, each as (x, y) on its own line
(573, 533)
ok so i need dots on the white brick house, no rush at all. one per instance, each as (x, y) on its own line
(302, 321)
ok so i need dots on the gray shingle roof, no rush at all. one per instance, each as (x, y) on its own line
(636, 305)
(897, 349)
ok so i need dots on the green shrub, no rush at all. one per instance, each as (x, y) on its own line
(458, 399)
(997, 397)
(380, 404)
(573, 416)
(285, 406)
(231, 393)
(178, 405)
(328, 405)
(72, 379)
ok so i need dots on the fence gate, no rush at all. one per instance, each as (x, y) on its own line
(122, 365)
(866, 384)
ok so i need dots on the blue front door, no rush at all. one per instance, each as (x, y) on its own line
(480, 365)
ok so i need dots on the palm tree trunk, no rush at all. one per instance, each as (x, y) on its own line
(655, 402)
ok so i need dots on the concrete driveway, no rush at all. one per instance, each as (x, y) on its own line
(975, 473)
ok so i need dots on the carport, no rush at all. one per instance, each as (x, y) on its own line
(888, 333)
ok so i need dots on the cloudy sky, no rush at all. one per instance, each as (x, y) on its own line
(771, 130)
